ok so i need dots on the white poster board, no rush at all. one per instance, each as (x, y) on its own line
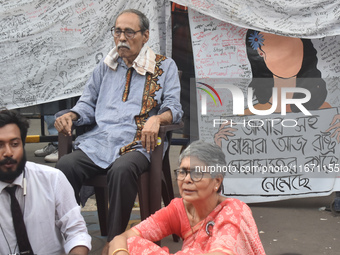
(298, 154)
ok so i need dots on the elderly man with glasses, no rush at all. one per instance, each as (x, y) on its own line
(129, 95)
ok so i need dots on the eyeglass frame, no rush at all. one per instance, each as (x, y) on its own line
(124, 31)
(189, 171)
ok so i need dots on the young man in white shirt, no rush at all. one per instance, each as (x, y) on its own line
(52, 218)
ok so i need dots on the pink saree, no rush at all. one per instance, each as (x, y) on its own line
(229, 228)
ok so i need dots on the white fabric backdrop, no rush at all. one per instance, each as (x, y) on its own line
(48, 48)
(298, 18)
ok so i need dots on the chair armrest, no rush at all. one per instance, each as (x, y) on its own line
(171, 127)
(64, 144)
(156, 167)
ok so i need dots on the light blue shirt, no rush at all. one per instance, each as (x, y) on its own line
(101, 103)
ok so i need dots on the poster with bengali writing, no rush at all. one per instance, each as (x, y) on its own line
(49, 48)
(271, 102)
(277, 157)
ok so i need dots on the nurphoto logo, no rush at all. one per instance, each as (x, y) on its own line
(238, 99)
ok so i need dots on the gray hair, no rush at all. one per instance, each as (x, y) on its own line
(210, 154)
(144, 23)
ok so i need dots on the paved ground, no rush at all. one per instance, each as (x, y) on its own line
(290, 227)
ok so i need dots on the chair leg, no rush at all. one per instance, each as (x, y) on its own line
(168, 195)
(167, 180)
(143, 195)
(167, 199)
(102, 199)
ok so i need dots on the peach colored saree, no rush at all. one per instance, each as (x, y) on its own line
(229, 228)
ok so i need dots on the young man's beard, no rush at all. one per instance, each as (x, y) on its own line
(12, 175)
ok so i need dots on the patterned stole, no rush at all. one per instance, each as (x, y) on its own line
(127, 84)
(148, 103)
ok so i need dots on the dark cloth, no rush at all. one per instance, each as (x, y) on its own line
(19, 224)
(85, 193)
(122, 178)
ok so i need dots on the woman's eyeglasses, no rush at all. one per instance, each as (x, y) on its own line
(195, 174)
(129, 33)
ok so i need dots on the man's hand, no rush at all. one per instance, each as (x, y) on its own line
(150, 133)
(151, 129)
(64, 123)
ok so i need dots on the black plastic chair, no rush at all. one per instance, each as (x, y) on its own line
(152, 185)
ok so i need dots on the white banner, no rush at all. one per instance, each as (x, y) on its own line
(49, 48)
(298, 18)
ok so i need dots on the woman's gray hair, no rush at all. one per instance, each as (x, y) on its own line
(210, 154)
(144, 23)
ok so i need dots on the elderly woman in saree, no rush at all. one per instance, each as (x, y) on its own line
(208, 222)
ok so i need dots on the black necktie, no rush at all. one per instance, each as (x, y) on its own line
(19, 225)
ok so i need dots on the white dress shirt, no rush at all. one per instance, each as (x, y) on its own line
(52, 217)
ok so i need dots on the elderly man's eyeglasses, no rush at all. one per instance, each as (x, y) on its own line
(129, 33)
(195, 174)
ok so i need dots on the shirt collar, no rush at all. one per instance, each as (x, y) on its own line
(145, 61)
(18, 181)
